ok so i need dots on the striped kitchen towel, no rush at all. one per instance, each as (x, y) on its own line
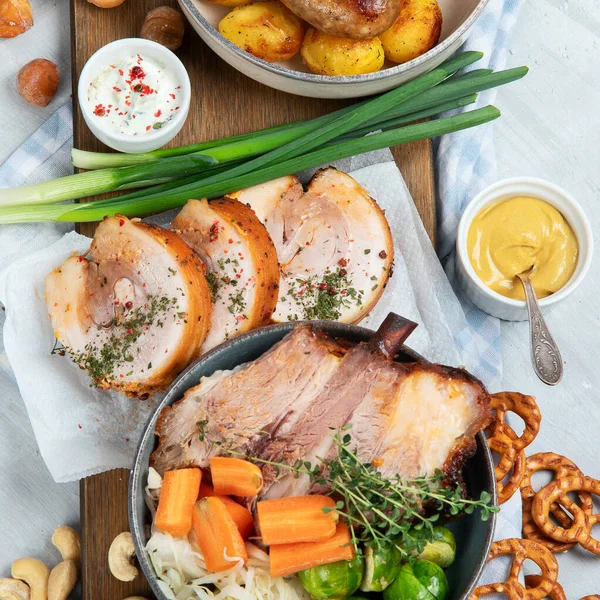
(466, 164)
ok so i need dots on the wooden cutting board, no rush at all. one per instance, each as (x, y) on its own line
(224, 103)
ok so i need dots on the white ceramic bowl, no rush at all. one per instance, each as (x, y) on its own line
(486, 299)
(293, 76)
(118, 50)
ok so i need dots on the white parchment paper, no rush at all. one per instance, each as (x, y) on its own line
(82, 431)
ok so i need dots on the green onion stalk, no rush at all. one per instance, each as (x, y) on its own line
(136, 204)
(271, 146)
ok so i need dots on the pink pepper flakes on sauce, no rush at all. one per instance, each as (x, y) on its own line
(99, 110)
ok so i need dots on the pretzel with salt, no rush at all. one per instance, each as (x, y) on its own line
(512, 587)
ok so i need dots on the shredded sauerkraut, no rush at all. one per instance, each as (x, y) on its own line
(182, 574)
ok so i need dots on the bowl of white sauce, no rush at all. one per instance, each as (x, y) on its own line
(134, 95)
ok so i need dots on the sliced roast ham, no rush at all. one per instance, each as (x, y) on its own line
(333, 242)
(134, 310)
(241, 262)
(407, 418)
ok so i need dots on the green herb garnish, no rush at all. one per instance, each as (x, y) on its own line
(383, 511)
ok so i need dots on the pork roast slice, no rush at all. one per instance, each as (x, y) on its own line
(242, 409)
(365, 376)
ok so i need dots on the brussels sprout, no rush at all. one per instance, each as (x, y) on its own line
(337, 580)
(381, 568)
(442, 551)
(423, 580)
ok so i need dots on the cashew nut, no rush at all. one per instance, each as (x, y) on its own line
(66, 540)
(35, 573)
(62, 580)
(120, 553)
(13, 589)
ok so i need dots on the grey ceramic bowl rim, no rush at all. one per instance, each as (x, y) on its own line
(342, 79)
(136, 483)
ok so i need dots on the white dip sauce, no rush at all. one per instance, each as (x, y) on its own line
(134, 96)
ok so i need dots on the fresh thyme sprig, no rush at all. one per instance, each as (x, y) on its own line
(383, 511)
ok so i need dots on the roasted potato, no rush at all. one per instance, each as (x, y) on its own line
(331, 55)
(230, 2)
(268, 30)
(416, 30)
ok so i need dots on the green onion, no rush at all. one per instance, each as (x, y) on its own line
(273, 146)
(97, 160)
(138, 205)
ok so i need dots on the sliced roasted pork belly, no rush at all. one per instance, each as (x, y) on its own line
(364, 377)
(134, 310)
(427, 422)
(409, 419)
(333, 242)
(244, 408)
(241, 260)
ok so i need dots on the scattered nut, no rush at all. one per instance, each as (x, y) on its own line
(120, 553)
(35, 573)
(164, 25)
(67, 542)
(15, 17)
(62, 580)
(37, 82)
(106, 3)
(13, 589)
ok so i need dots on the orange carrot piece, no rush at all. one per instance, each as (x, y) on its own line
(291, 558)
(296, 519)
(235, 477)
(206, 490)
(240, 514)
(178, 495)
(217, 535)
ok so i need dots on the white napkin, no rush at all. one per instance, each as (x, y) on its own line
(82, 431)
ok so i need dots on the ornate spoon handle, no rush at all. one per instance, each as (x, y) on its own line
(545, 354)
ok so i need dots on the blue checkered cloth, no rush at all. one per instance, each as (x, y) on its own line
(466, 164)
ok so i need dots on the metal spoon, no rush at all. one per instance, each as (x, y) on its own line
(547, 361)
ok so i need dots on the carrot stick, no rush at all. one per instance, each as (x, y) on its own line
(206, 491)
(240, 514)
(296, 519)
(218, 535)
(235, 477)
(178, 495)
(291, 558)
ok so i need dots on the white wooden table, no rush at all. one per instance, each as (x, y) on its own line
(550, 129)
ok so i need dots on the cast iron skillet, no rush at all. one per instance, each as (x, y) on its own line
(473, 536)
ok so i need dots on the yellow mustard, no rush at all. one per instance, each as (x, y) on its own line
(511, 236)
